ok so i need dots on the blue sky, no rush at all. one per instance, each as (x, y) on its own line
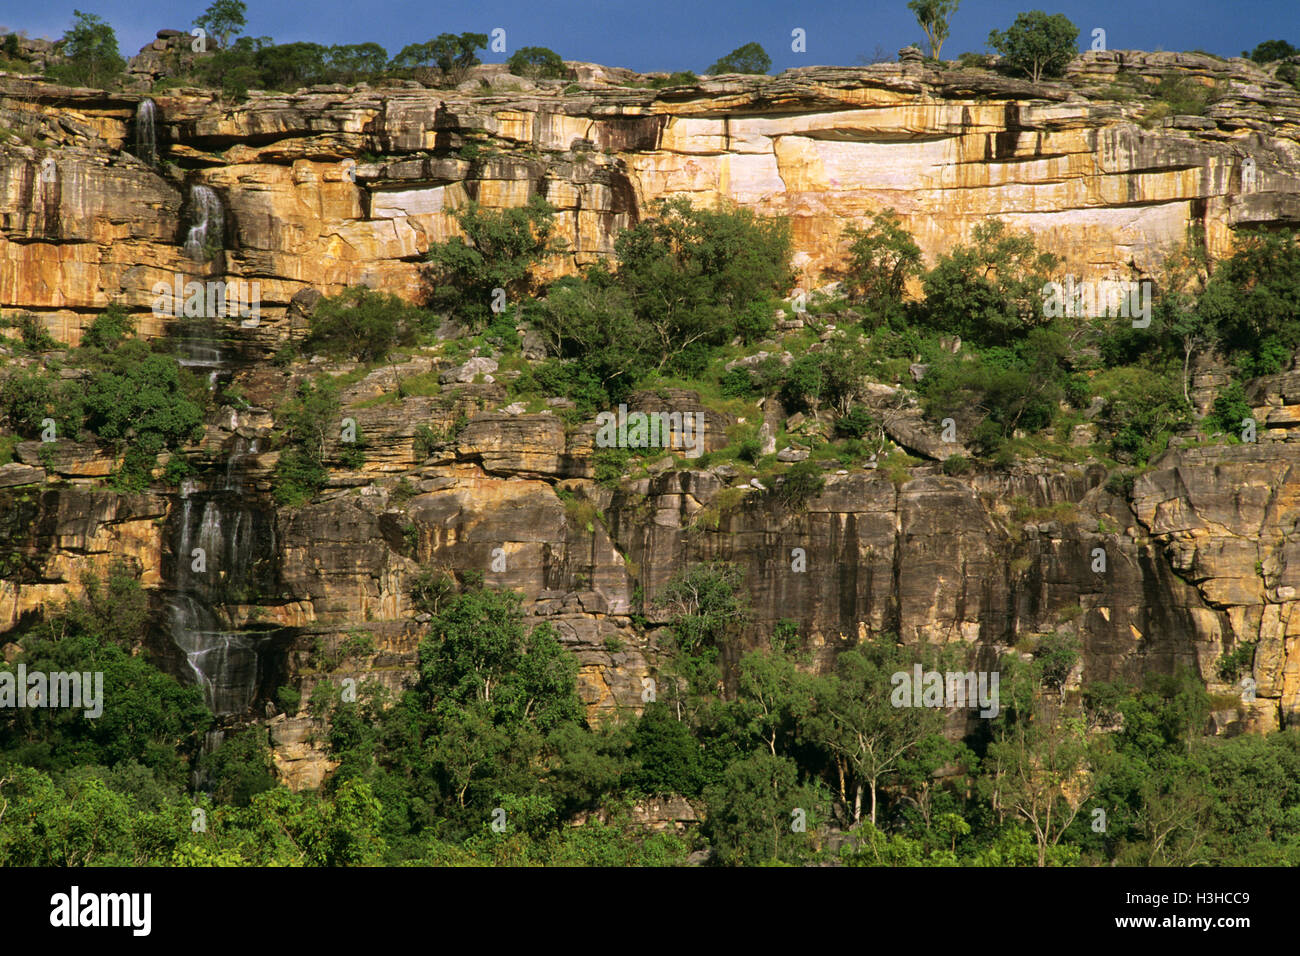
(690, 34)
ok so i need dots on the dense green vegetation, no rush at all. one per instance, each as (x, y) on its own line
(137, 401)
(489, 759)
(691, 290)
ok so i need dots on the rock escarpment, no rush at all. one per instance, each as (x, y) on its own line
(334, 186)
(331, 187)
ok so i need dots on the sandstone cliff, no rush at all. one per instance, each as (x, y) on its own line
(330, 187)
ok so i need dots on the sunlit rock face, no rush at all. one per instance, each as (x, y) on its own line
(310, 192)
(329, 187)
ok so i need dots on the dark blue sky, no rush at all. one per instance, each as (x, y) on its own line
(690, 34)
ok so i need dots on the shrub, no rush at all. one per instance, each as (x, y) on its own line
(1143, 407)
(750, 449)
(29, 396)
(680, 78)
(1233, 663)
(34, 334)
(109, 329)
(362, 324)
(1230, 410)
(537, 62)
(1120, 484)
(610, 464)
(309, 420)
(737, 383)
(289, 699)
(803, 481)
(955, 465)
(749, 58)
(431, 589)
(1184, 96)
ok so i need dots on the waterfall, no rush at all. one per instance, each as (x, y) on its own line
(146, 136)
(206, 218)
(221, 545)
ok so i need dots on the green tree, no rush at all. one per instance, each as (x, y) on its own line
(665, 753)
(934, 17)
(362, 324)
(353, 61)
(537, 62)
(1042, 766)
(91, 57)
(478, 652)
(881, 260)
(291, 66)
(499, 250)
(146, 716)
(989, 292)
(142, 402)
(29, 396)
(1253, 301)
(109, 329)
(454, 54)
(1037, 44)
(1230, 409)
(1271, 50)
(753, 809)
(855, 720)
(749, 58)
(310, 420)
(689, 280)
(222, 20)
(1142, 409)
(240, 768)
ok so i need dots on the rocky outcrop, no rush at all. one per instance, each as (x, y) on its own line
(333, 186)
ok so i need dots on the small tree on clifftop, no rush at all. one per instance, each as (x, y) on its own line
(750, 58)
(90, 52)
(1038, 44)
(933, 17)
(223, 20)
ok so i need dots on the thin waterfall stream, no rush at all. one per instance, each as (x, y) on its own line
(206, 233)
(222, 558)
(146, 132)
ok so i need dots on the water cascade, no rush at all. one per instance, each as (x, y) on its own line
(146, 135)
(221, 556)
(206, 220)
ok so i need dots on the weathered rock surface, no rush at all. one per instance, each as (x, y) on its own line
(1201, 560)
(825, 146)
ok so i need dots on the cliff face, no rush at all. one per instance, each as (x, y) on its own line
(332, 187)
(335, 186)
